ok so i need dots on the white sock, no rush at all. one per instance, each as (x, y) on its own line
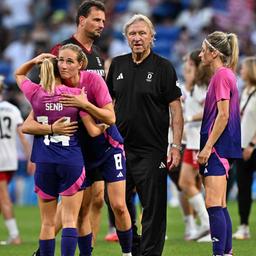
(12, 228)
(190, 221)
(127, 254)
(198, 204)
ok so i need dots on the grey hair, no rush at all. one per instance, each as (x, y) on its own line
(140, 17)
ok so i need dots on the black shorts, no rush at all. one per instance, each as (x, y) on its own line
(93, 175)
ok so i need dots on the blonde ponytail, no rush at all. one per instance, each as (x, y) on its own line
(47, 75)
(233, 41)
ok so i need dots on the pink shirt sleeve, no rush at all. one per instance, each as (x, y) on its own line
(103, 92)
(83, 113)
(29, 88)
(223, 85)
(98, 90)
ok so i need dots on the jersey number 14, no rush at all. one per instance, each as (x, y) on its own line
(55, 138)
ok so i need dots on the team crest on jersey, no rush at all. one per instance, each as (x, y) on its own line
(149, 76)
(99, 61)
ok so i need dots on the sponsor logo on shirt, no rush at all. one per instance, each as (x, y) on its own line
(53, 106)
(100, 72)
(149, 77)
(120, 76)
(120, 175)
(162, 165)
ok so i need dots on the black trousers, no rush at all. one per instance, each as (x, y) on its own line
(245, 171)
(149, 177)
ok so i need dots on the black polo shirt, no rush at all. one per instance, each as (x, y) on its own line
(95, 62)
(142, 94)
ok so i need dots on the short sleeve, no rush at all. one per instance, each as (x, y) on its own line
(109, 79)
(222, 88)
(83, 113)
(100, 91)
(29, 88)
(18, 118)
(170, 85)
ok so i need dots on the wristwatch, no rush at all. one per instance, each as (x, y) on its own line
(179, 147)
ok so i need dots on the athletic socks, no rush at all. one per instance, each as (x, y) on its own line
(85, 245)
(12, 228)
(125, 240)
(218, 229)
(198, 204)
(228, 246)
(68, 241)
(190, 222)
(47, 247)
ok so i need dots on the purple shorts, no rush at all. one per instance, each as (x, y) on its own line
(216, 166)
(112, 170)
(52, 180)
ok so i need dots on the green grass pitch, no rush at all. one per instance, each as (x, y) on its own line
(28, 221)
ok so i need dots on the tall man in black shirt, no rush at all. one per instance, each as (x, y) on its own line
(143, 85)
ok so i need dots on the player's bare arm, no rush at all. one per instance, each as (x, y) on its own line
(174, 155)
(30, 126)
(105, 114)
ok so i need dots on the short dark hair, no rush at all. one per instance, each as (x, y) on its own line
(85, 8)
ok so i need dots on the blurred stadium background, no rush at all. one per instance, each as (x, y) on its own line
(29, 27)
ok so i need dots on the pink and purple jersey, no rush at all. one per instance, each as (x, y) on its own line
(47, 109)
(96, 150)
(96, 88)
(223, 86)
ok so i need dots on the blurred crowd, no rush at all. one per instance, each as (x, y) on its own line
(29, 27)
